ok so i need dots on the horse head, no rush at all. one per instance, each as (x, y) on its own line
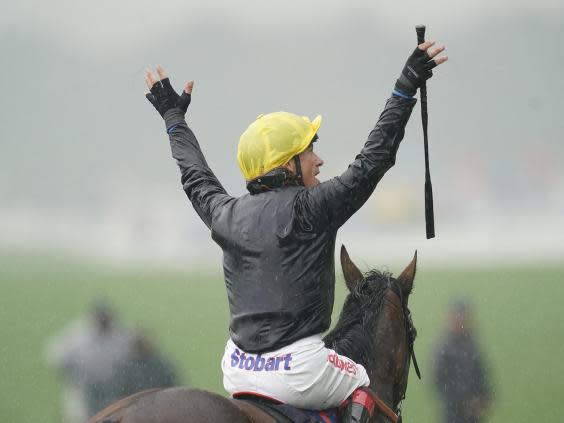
(375, 329)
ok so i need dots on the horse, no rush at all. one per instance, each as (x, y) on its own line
(374, 329)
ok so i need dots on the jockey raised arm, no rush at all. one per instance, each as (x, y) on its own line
(278, 241)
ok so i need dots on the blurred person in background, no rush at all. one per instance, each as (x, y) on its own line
(460, 373)
(86, 354)
(145, 368)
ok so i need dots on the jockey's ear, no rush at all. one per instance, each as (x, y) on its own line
(352, 274)
(408, 275)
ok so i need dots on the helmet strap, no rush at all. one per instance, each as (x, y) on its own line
(298, 176)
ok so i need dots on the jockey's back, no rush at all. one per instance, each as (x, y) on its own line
(279, 268)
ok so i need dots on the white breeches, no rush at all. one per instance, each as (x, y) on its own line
(304, 374)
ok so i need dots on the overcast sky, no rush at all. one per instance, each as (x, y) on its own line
(78, 141)
(106, 26)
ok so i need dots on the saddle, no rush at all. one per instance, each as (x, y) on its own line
(284, 413)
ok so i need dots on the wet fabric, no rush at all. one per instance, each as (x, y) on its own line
(272, 140)
(278, 246)
(304, 374)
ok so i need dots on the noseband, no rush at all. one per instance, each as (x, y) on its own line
(395, 416)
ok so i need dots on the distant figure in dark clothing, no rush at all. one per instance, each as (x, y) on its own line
(145, 369)
(86, 354)
(460, 374)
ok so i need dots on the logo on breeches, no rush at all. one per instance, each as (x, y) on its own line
(257, 363)
(342, 364)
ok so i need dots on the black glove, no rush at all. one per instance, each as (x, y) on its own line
(164, 98)
(416, 71)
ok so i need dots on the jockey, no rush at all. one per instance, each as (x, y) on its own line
(278, 241)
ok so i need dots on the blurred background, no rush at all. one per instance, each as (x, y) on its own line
(91, 204)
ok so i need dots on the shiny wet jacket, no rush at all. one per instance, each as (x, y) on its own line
(278, 246)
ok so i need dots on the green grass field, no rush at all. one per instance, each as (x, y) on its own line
(519, 317)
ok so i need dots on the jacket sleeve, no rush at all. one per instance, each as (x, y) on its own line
(200, 184)
(331, 203)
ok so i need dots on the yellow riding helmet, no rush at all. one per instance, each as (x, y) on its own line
(272, 140)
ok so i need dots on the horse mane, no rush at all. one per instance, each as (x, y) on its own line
(350, 337)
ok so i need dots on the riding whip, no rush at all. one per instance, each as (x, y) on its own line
(429, 215)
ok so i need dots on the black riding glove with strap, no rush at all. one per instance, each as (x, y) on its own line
(416, 71)
(164, 98)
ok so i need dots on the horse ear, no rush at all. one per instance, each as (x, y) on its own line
(408, 275)
(350, 271)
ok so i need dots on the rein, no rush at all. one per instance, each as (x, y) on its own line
(384, 408)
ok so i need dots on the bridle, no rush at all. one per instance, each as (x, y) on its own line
(395, 415)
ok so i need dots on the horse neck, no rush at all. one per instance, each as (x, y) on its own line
(370, 336)
(340, 340)
(357, 318)
(348, 339)
(390, 338)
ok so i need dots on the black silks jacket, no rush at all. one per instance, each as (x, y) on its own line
(278, 246)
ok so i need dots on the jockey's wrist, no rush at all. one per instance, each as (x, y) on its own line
(173, 117)
(399, 93)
